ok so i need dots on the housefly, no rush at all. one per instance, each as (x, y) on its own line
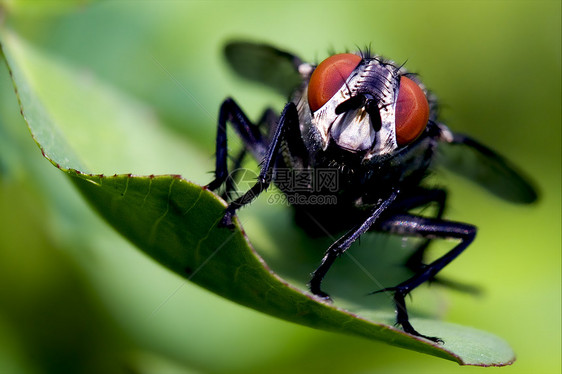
(361, 129)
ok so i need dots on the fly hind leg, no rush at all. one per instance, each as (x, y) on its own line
(253, 141)
(248, 132)
(423, 197)
(410, 225)
(416, 262)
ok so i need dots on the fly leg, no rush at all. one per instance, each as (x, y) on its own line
(430, 228)
(248, 132)
(342, 244)
(232, 179)
(423, 197)
(267, 122)
(287, 122)
(416, 261)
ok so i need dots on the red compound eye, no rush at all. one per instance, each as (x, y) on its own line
(329, 77)
(412, 111)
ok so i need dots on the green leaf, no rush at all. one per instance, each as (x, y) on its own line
(86, 127)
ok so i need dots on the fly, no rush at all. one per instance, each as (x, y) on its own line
(367, 124)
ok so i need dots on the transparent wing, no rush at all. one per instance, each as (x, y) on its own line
(265, 64)
(471, 159)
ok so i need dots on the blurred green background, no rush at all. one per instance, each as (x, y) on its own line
(76, 297)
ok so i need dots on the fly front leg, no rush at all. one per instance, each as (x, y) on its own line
(288, 120)
(342, 244)
(410, 225)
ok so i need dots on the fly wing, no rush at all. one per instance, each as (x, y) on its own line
(265, 64)
(469, 158)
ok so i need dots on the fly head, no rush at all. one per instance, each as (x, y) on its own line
(365, 105)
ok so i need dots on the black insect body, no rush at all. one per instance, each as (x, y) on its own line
(363, 131)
